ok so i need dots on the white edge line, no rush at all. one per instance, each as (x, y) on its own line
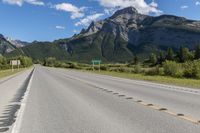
(17, 124)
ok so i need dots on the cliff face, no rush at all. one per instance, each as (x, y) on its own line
(127, 33)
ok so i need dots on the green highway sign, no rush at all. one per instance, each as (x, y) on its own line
(96, 62)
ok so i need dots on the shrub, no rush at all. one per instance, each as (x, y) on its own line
(74, 66)
(104, 67)
(137, 69)
(124, 69)
(171, 68)
(192, 69)
(50, 61)
(153, 71)
(88, 68)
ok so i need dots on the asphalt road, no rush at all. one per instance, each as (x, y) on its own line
(11, 93)
(66, 101)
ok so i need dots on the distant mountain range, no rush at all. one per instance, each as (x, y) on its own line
(120, 37)
(17, 43)
(5, 46)
(8, 45)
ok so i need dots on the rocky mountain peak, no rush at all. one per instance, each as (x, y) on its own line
(129, 10)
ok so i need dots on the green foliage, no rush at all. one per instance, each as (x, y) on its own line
(153, 59)
(104, 67)
(170, 54)
(50, 62)
(25, 61)
(153, 71)
(5, 62)
(161, 58)
(184, 55)
(192, 69)
(37, 62)
(74, 65)
(137, 69)
(171, 68)
(197, 52)
(136, 60)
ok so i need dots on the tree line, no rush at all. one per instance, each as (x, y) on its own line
(5, 62)
(181, 56)
(180, 64)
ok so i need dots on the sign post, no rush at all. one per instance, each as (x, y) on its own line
(96, 62)
(15, 63)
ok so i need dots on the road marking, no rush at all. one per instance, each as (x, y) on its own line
(150, 104)
(165, 110)
(143, 103)
(121, 95)
(139, 101)
(129, 98)
(17, 124)
(154, 107)
(162, 109)
(180, 114)
(189, 119)
(169, 112)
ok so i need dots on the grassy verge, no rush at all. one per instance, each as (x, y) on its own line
(5, 73)
(157, 79)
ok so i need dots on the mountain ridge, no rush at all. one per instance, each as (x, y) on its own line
(125, 34)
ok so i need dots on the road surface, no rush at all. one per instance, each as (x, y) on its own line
(66, 101)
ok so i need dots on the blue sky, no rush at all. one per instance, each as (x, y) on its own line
(47, 20)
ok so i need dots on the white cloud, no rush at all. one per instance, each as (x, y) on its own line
(35, 2)
(184, 7)
(75, 11)
(140, 5)
(21, 2)
(197, 3)
(14, 2)
(76, 31)
(60, 27)
(87, 20)
(154, 4)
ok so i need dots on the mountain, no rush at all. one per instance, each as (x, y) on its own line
(17, 43)
(125, 34)
(5, 46)
(8, 45)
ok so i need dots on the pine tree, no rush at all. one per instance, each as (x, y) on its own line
(184, 55)
(136, 60)
(161, 58)
(170, 54)
(197, 52)
(153, 59)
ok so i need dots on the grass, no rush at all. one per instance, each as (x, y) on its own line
(193, 83)
(5, 73)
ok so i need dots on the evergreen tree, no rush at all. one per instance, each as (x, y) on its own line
(184, 55)
(3, 60)
(161, 58)
(153, 59)
(197, 52)
(170, 54)
(136, 60)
